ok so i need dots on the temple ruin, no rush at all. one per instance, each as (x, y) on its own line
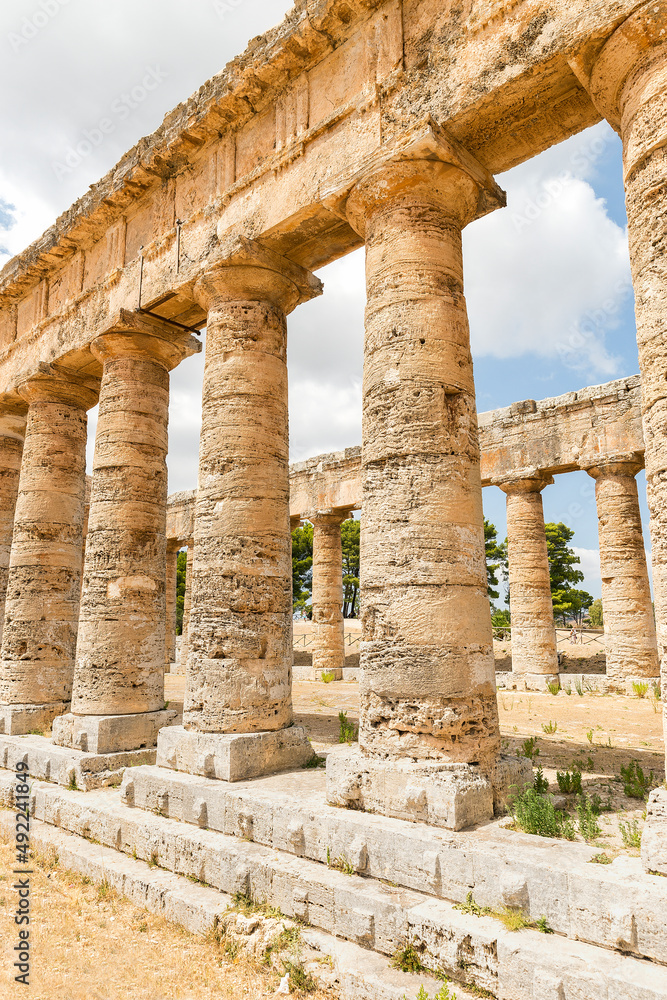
(376, 123)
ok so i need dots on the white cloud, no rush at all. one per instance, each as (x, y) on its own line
(589, 564)
(550, 274)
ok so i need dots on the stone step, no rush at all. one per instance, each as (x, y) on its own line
(68, 766)
(618, 906)
(378, 916)
(358, 974)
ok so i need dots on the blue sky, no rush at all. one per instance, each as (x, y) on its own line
(547, 278)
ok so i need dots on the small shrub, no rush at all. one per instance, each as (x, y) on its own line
(579, 687)
(442, 994)
(549, 727)
(540, 783)
(589, 736)
(72, 786)
(407, 959)
(588, 811)
(640, 688)
(568, 690)
(542, 926)
(600, 859)
(553, 687)
(299, 979)
(536, 814)
(636, 784)
(340, 864)
(328, 676)
(630, 832)
(471, 907)
(530, 748)
(349, 733)
(569, 782)
(315, 761)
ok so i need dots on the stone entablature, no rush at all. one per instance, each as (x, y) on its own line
(270, 147)
(556, 435)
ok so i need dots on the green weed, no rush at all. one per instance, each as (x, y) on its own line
(328, 676)
(471, 907)
(407, 959)
(549, 727)
(569, 782)
(540, 783)
(588, 811)
(542, 926)
(534, 813)
(349, 733)
(553, 687)
(636, 784)
(640, 688)
(340, 864)
(630, 832)
(530, 749)
(315, 761)
(600, 859)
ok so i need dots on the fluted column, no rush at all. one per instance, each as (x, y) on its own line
(629, 624)
(12, 434)
(187, 600)
(328, 623)
(43, 586)
(239, 667)
(118, 692)
(533, 629)
(170, 638)
(627, 80)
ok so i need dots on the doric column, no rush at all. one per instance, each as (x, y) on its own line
(187, 598)
(43, 587)
(118, 692)
(239, 668)
(328, 624)
(533, 629)
(629, 624)
(627, 80)
(427, 689)
(172, 568)
(12, 434)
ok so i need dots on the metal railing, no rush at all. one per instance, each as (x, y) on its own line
(351, 639)
(585, 637)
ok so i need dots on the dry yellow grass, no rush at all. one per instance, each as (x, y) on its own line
(92, 944)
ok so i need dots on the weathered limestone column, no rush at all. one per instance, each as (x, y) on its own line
(187, 600)
(118, 693)
(629, 625)
(239, 668)
(170, 639)
(12, 434)
(43, 586)
(533, 629)
(627, 80)
(427, 692)
(328, 623)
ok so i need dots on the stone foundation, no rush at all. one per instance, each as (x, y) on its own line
(654, 837)
(19, 719)
(110, 733)
(65, 766)
(453, 796)
(233, 756)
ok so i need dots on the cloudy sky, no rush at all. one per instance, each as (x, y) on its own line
(547, 279)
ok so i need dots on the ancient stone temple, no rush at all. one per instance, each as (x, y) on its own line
(383, 124)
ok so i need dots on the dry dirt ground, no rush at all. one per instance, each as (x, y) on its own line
(600, 734)
(91, 944)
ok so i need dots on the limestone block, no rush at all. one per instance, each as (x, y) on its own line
(110, 733)
(654, 835)
(233, 756)
(69, 767)
(17, 719)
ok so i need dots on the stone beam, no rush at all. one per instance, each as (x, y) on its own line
(258, 148)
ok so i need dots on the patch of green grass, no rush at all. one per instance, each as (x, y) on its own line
(245, 904)
(105, 891)
(640, 688)
(315, 761)
(600, 859)
(549, 727)
(407, 959)
(513, 919)
(579, 687)
(328, 676)
(349, 733)
(340, 864)
(569, 782)
(630, 832)
(534, 813)
(553, 687)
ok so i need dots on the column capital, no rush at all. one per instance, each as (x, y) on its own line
(532, 483)
(606, 71)
(142, 337)
(174, 545)
(616, 465)
(250, 271)
(425, 165)
(331, 517)
(51, 384)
